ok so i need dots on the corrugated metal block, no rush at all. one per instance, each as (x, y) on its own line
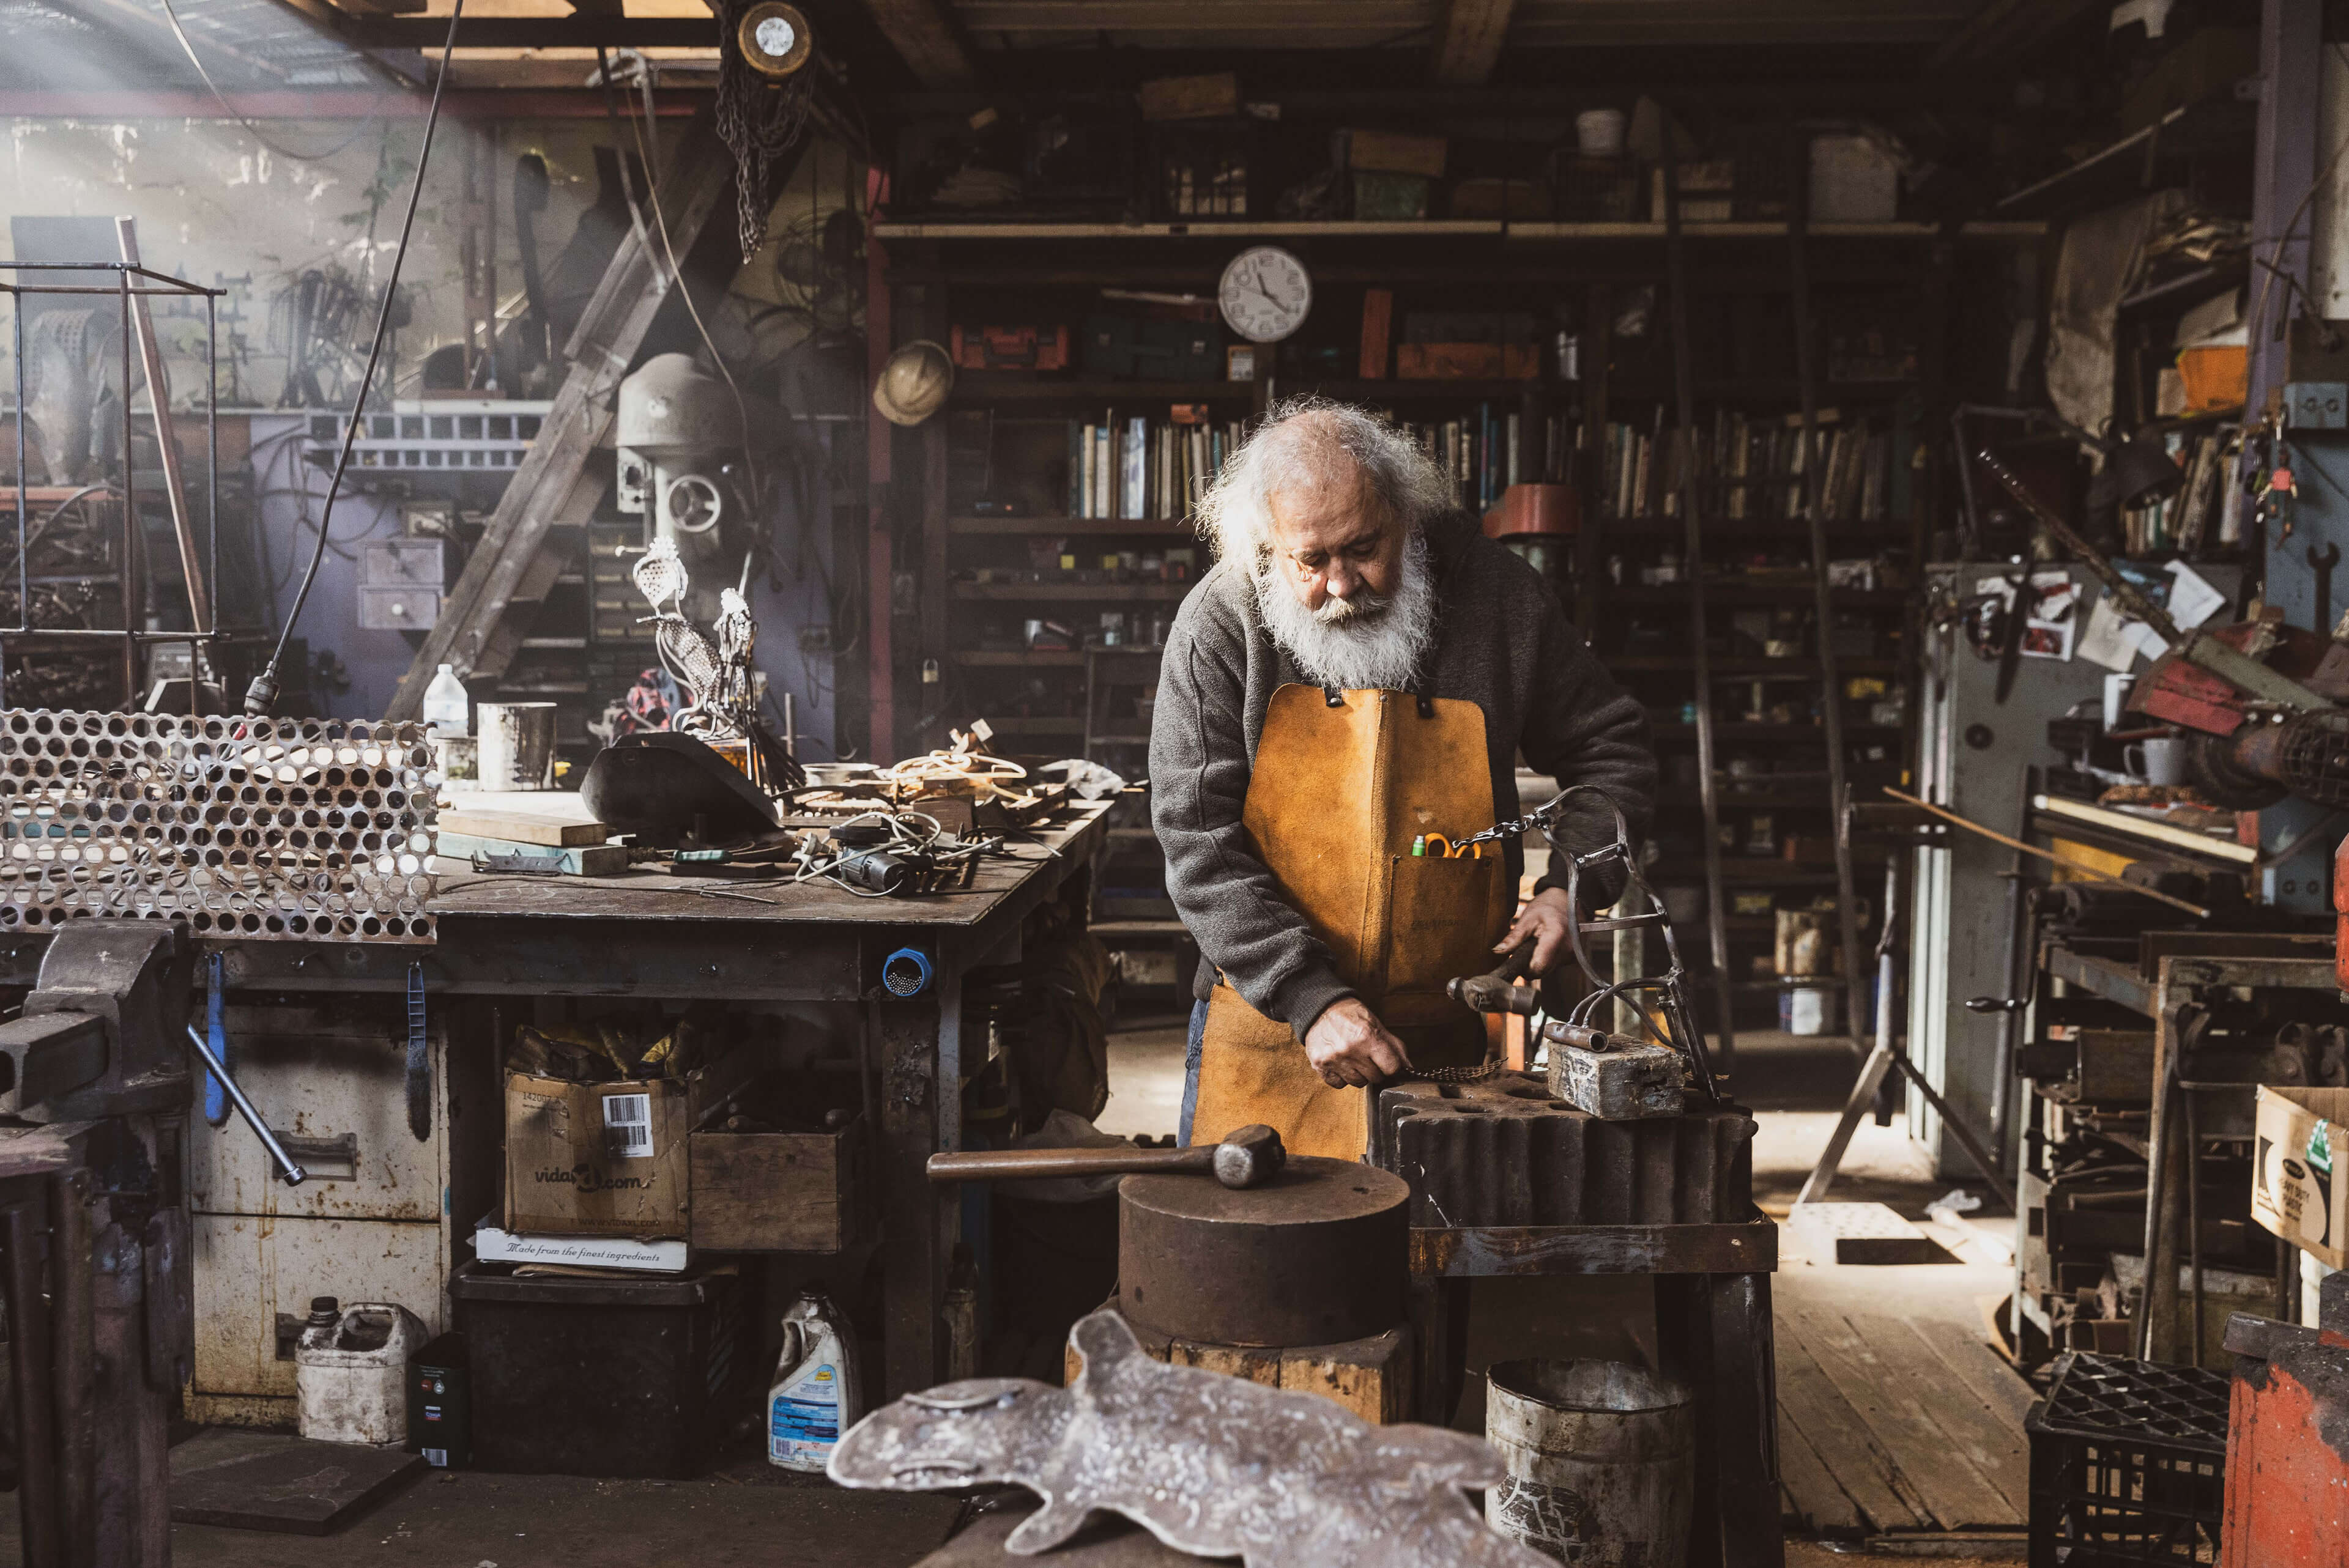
(1503, 1152)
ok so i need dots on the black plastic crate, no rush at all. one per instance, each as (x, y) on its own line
(2128, 1464)
(603, 1376)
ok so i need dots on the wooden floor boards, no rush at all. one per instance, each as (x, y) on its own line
(1894, 1416)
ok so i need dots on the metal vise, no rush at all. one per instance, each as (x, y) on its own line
(100, 1036)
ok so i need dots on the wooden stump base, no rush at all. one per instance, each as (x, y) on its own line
(1372, 1377)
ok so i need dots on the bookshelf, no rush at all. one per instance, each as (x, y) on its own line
(1008, 532)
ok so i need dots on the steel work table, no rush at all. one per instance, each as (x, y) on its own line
(652, 936)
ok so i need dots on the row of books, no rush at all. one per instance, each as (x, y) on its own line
(2207, 510)
(1755, 469)
(1147, 469)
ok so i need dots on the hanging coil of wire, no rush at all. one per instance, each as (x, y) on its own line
(757, 120)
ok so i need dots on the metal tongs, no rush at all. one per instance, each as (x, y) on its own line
(1497, 992)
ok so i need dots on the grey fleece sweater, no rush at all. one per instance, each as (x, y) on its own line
(1502, 642)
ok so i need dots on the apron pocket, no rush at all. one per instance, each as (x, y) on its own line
(1442, 918)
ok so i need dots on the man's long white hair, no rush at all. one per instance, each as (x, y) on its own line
(1370, 640)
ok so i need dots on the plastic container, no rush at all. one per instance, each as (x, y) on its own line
(2128, 1463)
(818, 1392)
(350, 1372)
(447, 706)
(574, 1376)
(1601, 1457)
(441, 1404)
(1598, 132)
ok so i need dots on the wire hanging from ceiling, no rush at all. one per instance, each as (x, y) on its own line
(251, 130)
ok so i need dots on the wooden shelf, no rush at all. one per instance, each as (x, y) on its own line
(1426, 227)
(1676, 731)
(1720, 592)
(978, 386)
(1101, 592)
(1672, 530)
(1153, 527)
(1037, 726)
(1725, 668)
(1012, 658)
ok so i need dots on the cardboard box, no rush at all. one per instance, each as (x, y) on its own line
(492, 1245)
(1395, 152)
(607, 1159)
(2299, 1143)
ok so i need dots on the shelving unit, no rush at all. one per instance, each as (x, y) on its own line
(994, 481)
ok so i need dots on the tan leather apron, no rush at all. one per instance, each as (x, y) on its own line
(1343, 783)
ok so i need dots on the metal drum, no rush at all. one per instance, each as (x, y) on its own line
(1316, 1256)
(1602, 1462)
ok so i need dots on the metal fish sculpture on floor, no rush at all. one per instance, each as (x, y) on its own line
(1209, 1464)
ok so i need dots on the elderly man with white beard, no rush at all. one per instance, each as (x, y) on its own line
(1343, 697)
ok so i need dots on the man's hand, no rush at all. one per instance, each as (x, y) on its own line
(1544, 919)
(1348, 1045)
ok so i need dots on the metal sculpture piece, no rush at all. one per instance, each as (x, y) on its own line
(1209, 1464)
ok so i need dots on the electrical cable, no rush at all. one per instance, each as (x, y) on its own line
(251, 130)
(261, 695)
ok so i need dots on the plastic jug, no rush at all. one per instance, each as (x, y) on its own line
(350, 1372)
(818, 1393)
(447, 708)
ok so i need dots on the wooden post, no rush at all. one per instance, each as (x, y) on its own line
(916, 1213)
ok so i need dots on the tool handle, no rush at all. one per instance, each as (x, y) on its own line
(1026, 1164)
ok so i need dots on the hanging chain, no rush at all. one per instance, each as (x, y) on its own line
(757, 120)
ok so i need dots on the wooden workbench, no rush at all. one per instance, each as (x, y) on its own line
(653, 935)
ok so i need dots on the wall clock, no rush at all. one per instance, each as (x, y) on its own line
(1265, 294)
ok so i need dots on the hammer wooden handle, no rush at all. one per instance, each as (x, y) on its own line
(1024, 1164)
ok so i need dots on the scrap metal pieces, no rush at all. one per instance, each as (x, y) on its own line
(1213, 1465)
(285, 830)
(1506, 1151)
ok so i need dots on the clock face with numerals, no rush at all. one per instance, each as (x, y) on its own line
(1265, 294)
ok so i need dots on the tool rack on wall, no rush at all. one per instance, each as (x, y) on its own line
(994, 476)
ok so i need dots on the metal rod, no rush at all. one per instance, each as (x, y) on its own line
(134, 597)
(212, 474)
(1830, 675)
(167, 438)
(1708, 786)
(293, 1175)
(2194, 1217)
(24, 1232)
(2078, 867)
(23, 493)
(2010, 1018)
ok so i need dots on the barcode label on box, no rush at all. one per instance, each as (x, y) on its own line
(629, 1125)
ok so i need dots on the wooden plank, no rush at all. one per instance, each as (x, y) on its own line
(1372, 1377)
(1467, 1252)
(564, 475)
(1473, 31)
(261, 1481)
(1860, 1465)
(1815, 1504)
(1887, 1393)
(1254, 1363)
(1972, 1425)
(927, 40)
(1982, 1369)
(524, 827)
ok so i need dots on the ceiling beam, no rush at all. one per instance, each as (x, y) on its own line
(575, 32)
(2001, 27)
(1470, 47)
(921, 32)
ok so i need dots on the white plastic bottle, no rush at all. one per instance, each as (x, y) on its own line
(350, 1372)
(817, 1393)
(447, 708)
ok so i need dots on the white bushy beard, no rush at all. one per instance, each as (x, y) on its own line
(1371, 642)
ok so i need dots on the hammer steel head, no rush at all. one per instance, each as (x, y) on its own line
(1249, 1156)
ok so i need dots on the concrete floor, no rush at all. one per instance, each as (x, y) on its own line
(750, 1513)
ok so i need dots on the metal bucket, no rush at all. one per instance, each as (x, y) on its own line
(516, 745)
(1602, 1462)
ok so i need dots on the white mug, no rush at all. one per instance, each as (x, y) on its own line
(2161, 760)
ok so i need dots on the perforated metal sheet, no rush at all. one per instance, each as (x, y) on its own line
(283, 830)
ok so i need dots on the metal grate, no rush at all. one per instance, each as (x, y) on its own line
(285, 830)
